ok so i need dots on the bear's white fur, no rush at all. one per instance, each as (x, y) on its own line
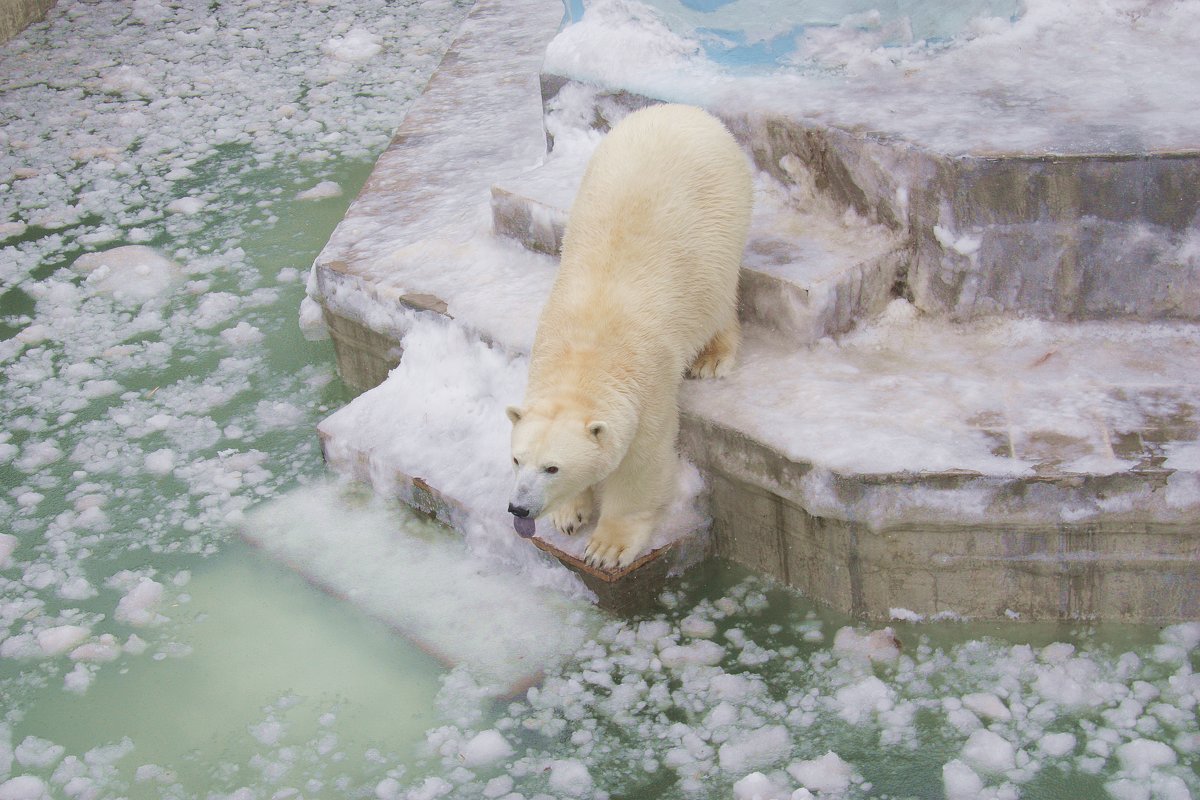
(647, 289)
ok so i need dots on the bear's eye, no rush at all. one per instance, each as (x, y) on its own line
(516, 463)
(550, 470)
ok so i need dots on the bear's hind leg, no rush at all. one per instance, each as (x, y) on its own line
(572, 515)
(716, 359)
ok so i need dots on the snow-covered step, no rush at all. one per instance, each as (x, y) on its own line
(1043, 217)
(435, 435)
(807, 272)
(424, 584)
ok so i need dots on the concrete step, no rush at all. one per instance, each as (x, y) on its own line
(1061, 233)
(805, 274)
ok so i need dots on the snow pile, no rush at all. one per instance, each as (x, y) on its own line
(1037, 83)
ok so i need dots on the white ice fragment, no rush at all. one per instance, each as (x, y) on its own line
(134, 645)
(242, 335)
(862, 699)
(61, 638)
(33, 334)
(829, 773)
(358, 44)
(38, 753)
(755, 786)
(126, 80)
(37, 455)
(11, 230)
(1057, 653)
(105, 648)
(987, 706)
(133, 272)
(960, 782)
(322, 191)
(23, 787)
(160, 462)
(498, 787)
(79, 679)
(697, 627)
(880, 645)
(1056, 745)
(1141, 756)
(760, 748)
(387, 789)
(186, 206)
(312, 320)
(701, 652)
(485, 748)
(989, 751)
(904, 615)
(137, 606)
(570, 777)
(8, 544)
(267, 732)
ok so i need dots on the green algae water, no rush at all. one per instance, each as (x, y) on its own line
(150, 401)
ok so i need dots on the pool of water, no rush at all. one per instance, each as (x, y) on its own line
(149, 405)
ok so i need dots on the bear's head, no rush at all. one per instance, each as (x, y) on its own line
(557, 453)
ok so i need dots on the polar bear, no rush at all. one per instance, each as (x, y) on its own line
(647, 290)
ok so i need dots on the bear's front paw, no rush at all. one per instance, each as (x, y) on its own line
(615, 544)
(571, 516)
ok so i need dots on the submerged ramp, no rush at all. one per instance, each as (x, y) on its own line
(421, 581)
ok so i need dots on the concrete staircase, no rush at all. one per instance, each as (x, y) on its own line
(1043, 468)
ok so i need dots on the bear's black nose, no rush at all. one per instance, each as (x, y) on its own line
(517, 511)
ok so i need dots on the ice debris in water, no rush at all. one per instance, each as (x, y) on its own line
(980, 719)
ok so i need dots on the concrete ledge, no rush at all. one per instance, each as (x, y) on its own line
(17, 15)
(1077, 237)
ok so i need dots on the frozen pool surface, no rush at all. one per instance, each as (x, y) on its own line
(152, 396)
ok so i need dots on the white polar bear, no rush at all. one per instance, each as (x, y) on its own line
(647, 288)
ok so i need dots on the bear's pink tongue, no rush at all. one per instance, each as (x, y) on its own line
(524, 526)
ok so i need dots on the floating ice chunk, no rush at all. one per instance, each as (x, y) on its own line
(215, 308)
(387, 789)
(861, 699)
(697, 627)
(312, 320)
(570, 777)
(267, 732)
(1141, 756)
(137, 606)
(8, 544)
(1057, 653)
(322, 191)
(79, 679)
(61, 638)
(756, 786)
(23, 787)
(130, 273)
(987, 706)
(880, 645)
(768, 745)
(358, 44)
(989, 751)
(33, 334)
(485, 748)
(38, 753)
(126, 80)
(37, 455)
(105, 648)
(1057, 744)
(703, 652)
(242, 335)
(960, 782)
(905, 615)
(498, 787)
(829, 773)
(160, 462)
(186, 206)
(11, 230)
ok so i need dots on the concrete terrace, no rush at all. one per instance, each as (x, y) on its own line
(968, 383)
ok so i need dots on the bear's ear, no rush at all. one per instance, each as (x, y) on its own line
(597, 430)
(514, 414)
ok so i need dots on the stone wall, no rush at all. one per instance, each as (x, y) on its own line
(15, 15)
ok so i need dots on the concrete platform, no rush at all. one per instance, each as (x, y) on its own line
(1046, 468)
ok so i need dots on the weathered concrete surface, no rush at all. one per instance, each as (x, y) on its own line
(17, 15)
